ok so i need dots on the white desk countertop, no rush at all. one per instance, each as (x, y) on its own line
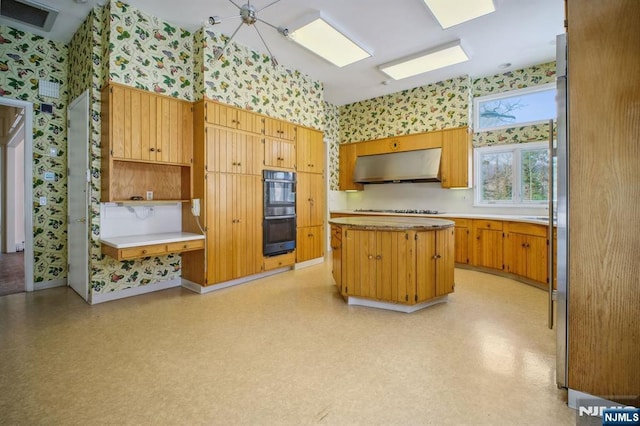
(149, 239)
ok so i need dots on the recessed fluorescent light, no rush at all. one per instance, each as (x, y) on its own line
(439, 57)
(325, 40)
(450, 13)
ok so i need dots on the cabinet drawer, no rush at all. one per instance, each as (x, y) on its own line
(185, 245)
(462, 223)
(143, 251)
(274, 262)
(526, 228)
(487, 224)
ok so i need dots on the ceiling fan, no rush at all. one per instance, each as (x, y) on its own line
(248, 16)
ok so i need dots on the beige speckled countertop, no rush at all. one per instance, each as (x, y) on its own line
(392, 223)
(540, 220)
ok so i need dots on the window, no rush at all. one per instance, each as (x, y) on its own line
(514, 108)
(515, 175)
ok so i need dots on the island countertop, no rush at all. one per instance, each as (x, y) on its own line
(392, 223)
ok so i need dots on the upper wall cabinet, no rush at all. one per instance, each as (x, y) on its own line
(233, 118)
(455, 166)
(279, 129)
(147, 145)
(147, 127)
(309, 150)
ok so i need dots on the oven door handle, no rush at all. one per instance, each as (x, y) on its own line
(280, 180)
(291, 216)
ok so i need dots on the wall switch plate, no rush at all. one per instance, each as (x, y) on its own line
(43, 201)
(149, 195)
(50, 176)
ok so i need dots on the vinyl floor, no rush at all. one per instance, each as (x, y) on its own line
(283, 350)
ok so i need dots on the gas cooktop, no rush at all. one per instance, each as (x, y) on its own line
(409, 211)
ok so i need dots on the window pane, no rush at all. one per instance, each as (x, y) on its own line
(535, 175)
(518, 109)
(496, 176)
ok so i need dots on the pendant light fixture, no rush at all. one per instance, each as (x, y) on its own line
(248, 15)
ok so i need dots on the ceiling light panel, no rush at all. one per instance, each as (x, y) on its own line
(316, 34)
(450, 13)
(439, 57)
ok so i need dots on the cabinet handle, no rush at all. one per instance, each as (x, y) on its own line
(378, 257)
(152, 149)
(159, 150)
(309, 235)
(144, 252)
(488, 225)
(185, 246)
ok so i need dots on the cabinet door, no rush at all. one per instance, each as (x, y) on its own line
(247, 154)
(425, 266)
(234, 233)
(336, 256)
(488, 251)
(222, 115)
(279, 153)
(456, 158)
(248, 121)
(247, 225)
(347, 162)
(279, 129)
(309, 151)
(219, 150)
(186, 132)
(516, 253)
(310, 243)
(220, 220)
(141, 126)
(537, 259)
(445, 261)
(394, 266)
(310, 199)
(287, 151)
(462, 244)
(359, 251)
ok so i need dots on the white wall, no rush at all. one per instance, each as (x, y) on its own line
(421, 196)
(14, 194)
(116, 221)
(19, 194)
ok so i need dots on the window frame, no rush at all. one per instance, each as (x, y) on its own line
(516, 150)
(505, 95)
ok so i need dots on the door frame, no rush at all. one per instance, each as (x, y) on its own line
(84, 100)
(28, 187)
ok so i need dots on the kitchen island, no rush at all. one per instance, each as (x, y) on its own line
(398, 263)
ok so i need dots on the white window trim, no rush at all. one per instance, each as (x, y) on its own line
(515, 149)
(504, 95)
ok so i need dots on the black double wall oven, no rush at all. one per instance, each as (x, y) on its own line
(279, 224)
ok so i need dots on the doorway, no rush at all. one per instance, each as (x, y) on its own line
(16, 170)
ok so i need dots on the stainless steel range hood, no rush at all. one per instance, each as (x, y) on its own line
(410, 166)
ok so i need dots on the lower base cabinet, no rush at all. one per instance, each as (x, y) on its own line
(527, 251)
(309, 243)
(405, 267)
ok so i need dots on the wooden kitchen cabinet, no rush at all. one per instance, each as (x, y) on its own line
(309, 150)
(146, 145)
(309, 243)
(233, 118)
(456, 162)
(148, 127)
(382, 264)
(309, 199)
(347, 161)
(279, 129)
(487, 240)
(234, 232)
(279, 153)
(336, 256)
(229, 151)
(309, 216)
(435, 263)
(462, 239)
(526, 251)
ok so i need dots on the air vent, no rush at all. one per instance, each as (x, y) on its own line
(29, 13)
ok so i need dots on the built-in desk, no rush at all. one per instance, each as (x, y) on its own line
(136, 246)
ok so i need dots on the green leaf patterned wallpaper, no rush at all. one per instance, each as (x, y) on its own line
(26, 58)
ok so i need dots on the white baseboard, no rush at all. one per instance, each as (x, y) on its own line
(49, 284)
(358, 301)
(134, 291)
(215, 287)
(308, 263)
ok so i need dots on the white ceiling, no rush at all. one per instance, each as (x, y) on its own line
(520, 32)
